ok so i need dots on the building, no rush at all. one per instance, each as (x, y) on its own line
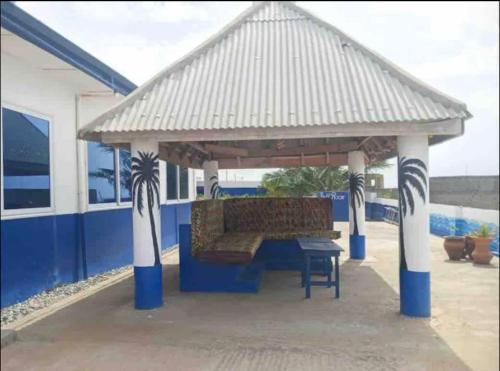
(65, 204)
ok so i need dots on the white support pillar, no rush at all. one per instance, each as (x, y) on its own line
(356, 164)
(210, 179)
(146, 224)
(414, 240)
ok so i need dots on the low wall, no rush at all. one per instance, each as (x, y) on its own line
(479, 192)
(445, 220)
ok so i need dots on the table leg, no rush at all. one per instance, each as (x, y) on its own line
(337, 278)
(303, 273)
(308, 276)
(329, 278)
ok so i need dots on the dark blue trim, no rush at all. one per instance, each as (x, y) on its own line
(148, 287)
(415, 293)
(357, 248)
(32, 30)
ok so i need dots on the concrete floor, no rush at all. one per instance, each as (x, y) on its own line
(277, 329)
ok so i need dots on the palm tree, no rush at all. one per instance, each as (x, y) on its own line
(356, 195)
(214, 189)
(411, 171)
(145, 174)
(298, 182)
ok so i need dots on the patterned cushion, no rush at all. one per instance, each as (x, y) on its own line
(233, 247)
(277, 214)
(207, 224)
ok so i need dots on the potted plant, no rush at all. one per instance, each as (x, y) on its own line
(482, 239)
(469, 246)
(454, 246)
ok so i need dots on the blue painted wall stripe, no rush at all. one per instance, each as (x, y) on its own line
(440, 225)
(41, 252)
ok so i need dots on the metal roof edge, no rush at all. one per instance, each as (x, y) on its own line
(86, 131)
(22, 24)
(171, 68)
(407, 77)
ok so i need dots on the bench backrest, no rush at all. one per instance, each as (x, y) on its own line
(207, 224)
(277, 214)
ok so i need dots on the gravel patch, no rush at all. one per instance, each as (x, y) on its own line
(51, 296)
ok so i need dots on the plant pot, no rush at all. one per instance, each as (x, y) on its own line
(481, 253)
(469, 246)
(455, 247)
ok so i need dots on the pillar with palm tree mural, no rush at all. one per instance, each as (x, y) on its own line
(414, 240)
(146, 224)
(356, 164)
(211, 180)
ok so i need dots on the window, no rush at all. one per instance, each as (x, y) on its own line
(177, 182)
(101, 167)
(125, 175)
(183, 182)
(26, 161)
(171, 181)
(109, 174)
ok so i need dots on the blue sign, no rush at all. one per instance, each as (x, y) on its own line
(340, 204)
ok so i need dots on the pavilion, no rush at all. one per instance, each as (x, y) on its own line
(279, 87)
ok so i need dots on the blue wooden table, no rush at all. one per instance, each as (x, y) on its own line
(319, 247)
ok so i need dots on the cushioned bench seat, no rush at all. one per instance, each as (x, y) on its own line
(293, 235)
(232, 248)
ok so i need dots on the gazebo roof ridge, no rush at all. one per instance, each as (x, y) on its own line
(374, 98)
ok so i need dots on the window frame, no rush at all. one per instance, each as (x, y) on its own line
(118, 204)
(178, 200)
(179, 185)
(35, 211)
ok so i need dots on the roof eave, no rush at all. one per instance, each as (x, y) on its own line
(32, 30)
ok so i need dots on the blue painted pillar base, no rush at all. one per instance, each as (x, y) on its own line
(357, 247)
(415, 293)
(148, 287)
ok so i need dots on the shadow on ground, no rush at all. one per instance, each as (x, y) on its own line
(272, 330)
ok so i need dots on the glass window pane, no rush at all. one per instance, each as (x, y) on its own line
(171, 181)
(26, 160)
(101, 166)
(125, 176)
(183, 182)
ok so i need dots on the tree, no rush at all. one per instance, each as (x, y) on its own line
(298, 182)
(356, 192)
(145, 174)
(411, 172)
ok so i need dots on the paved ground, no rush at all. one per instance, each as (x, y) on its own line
(277, 329)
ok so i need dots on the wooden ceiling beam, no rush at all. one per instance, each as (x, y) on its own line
(175, 158)
(337, 159)
(309, 150)
(360, 144)
(198, 147)
(226, 150)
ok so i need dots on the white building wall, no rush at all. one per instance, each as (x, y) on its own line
(32, 90)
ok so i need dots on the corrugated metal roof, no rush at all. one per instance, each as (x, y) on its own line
(277, 66)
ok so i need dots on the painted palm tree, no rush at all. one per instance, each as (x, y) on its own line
(411, 172)
(356, 195)
(214, 189)
(145, 175)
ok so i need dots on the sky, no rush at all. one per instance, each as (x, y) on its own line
(452, 46)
